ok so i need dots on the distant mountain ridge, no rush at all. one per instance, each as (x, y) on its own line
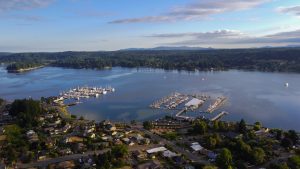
(168, 48)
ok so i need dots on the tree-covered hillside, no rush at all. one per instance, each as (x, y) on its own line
(268, 59)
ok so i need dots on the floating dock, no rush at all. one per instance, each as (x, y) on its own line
(216, 104)
(219, 116)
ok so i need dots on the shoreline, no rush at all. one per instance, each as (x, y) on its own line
(25, 70)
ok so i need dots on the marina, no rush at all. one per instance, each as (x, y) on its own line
(175, 100)
(190, 103)
(83, 92)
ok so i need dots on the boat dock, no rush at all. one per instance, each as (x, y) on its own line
(219, 116)
(180, 112)
(173, 101)
(216, 104)
(83, 92)
(170, 102)
(179, 115)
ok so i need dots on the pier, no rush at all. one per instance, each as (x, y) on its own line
(219, 116)
(180, 112)
(181, 117)
(216, 104)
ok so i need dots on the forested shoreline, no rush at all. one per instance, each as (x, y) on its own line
(265, 59)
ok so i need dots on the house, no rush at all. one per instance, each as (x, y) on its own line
(32, 136)
(73, 139)
(232, 135)
(189, 167)
(152, 152)
(179, 160)
(49, 143)
(3, 138)
(41, 155)
(101, 144)
(169, 154)
(119, 135)
(212, 156)
(146, 141)
(66, 151)
(196, 147)
(105, 123)
(91, 135)
(80, 147)
(89, 130)
(66, 165)
(114, 133)
(262, 132)
(138, 138)
(110, 127)
(57, 121)
(128, 131)
(126, 140)
(2, 130)
(107, 138)
(49, 116)
(41, 118)
(139, 155)
(118, 142)
(154, 164)
(66, 128)
(48, 129)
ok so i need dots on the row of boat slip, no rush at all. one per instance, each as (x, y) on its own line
(85, 92)
(216, 104)
(165, 100)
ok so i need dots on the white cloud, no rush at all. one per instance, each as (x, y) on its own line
(226, 33)
(9, 5)
(295, 10)
(231, 37)
(200, 9)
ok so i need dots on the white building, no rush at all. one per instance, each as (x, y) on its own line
(194, 103)
(196, 146)
(169, 154)
(156, 150)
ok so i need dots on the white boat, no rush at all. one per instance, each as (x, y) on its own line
(286, 85)
(104, 92)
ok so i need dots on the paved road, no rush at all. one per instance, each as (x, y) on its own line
(47, 162)
(189, 155)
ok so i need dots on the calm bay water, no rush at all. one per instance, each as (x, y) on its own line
(254, 96)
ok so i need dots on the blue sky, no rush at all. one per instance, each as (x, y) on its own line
(92, 25)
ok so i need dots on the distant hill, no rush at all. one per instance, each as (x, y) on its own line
(167, 48)
(285, 59)
(4, 53)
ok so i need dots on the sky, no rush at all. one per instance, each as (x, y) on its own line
(95, 25)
